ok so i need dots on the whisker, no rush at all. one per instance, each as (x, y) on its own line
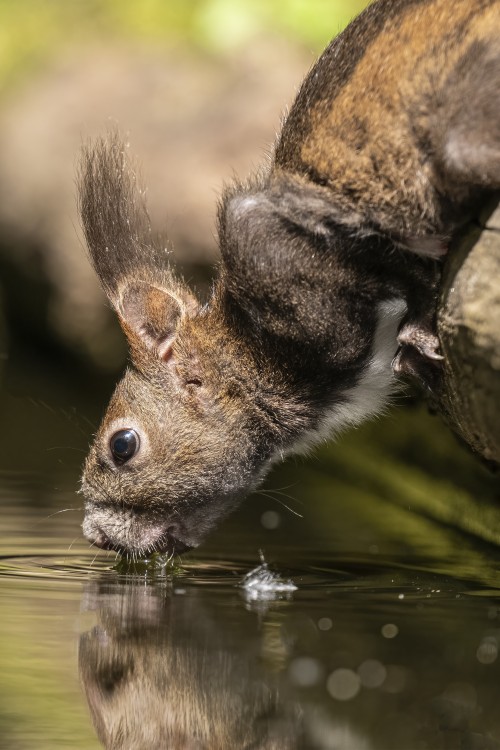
(56, 513)
(36, 524)
(279, 491)
(65, 448)
(265, 493)
(69, 548)
(292, 511)
(92, 544)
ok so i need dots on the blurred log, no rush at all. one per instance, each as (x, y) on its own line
(469, 331)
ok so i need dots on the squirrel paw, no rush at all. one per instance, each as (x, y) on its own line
(418, 356)
(424, 340)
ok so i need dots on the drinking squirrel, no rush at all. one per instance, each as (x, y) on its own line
(327, 285)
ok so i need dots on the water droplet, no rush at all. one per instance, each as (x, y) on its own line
(305, 672)
(324, 623)
(262, 584)
(343, 684)
(372, 673)
(390, 630)
(270, 519)
(396, 679)
(487, 652)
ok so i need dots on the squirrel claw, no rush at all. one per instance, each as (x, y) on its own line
(418, 355)
(422, 339)
(409, 362)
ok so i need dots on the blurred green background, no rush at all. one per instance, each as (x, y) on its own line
(33, 31)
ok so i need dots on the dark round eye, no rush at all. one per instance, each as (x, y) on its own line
(124, 444)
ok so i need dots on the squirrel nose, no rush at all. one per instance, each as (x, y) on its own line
(100, 539)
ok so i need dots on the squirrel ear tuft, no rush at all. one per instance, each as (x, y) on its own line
(130, 262)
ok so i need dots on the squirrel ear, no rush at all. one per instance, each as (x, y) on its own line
(149, 315)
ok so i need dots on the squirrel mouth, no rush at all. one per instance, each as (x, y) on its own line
(166, 543)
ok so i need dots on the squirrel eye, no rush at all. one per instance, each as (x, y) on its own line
(124, 444)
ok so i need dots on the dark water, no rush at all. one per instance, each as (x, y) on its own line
(389, 641)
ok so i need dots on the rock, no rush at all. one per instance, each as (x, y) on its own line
(469, 331)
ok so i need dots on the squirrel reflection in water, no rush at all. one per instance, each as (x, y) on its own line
(159, 672)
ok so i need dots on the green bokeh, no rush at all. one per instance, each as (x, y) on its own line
(33, 31)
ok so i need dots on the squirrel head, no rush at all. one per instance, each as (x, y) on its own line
(183, 438)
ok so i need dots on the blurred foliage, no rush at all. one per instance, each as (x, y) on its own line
(32, 31)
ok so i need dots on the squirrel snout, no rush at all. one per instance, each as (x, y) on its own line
(136, 536)
(101, 540)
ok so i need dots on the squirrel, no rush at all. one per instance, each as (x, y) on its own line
(328, 280)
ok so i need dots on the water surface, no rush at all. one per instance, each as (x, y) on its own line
(389, 641)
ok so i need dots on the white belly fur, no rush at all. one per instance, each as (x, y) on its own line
(372, 393)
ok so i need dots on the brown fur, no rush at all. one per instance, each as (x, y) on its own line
(393, 141)
(377, 137)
